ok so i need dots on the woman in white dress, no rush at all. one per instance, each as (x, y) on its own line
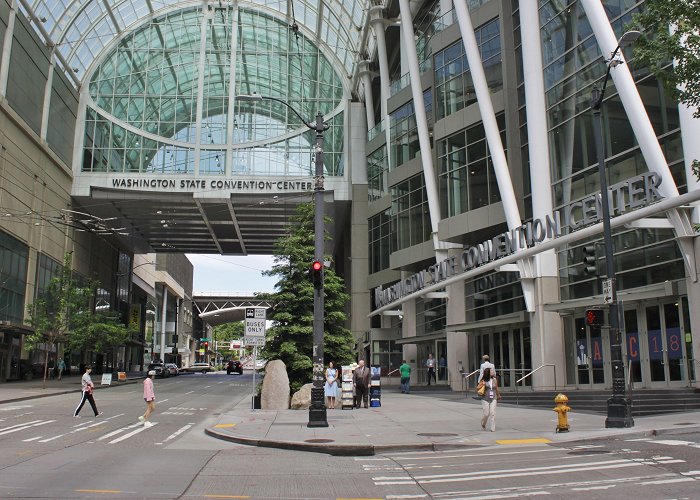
(331, 387)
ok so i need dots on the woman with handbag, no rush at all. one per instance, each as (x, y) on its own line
(488, 390)
(88, 387)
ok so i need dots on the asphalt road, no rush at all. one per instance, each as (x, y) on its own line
(47, 453)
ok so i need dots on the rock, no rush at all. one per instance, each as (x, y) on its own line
(275, 387)
(301, 400)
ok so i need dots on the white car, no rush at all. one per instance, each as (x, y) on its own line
(198, 367)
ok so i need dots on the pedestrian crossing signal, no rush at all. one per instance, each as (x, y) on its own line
(595, 317)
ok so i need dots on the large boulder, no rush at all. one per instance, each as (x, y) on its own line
(275, 387)
(301, 400)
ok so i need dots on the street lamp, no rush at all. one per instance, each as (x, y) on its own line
(619, 406)
(317, 410)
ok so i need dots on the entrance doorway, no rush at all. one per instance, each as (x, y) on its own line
(654, 345)
(510, 352)
(592, 355)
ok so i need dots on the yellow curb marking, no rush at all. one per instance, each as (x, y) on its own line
(98, 491)
(221, 426)
(522, 441)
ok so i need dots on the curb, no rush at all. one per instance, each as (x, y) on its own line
(61, 393)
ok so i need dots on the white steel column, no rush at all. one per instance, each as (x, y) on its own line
(642, 128)
(163, 317)
(366, 75)
(378, 22)
(422, 125)
(488, 116)
(7, 49)
(46, 108)
(230, 117)
(206, 16)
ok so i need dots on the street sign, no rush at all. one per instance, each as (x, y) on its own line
(607, 291)
(255, 313)
(204, 339)
(255, 322)
(254, 341)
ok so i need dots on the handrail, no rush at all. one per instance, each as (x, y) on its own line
(536, 370)
(394, 371)
(465, 378)
(630, 382)
(694, 374)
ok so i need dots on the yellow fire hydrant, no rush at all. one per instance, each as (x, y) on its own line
(562, 409)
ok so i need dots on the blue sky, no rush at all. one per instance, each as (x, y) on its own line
(220, 273)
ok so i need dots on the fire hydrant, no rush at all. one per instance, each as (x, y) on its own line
(562, 409)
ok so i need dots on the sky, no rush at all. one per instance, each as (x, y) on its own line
(221, 273)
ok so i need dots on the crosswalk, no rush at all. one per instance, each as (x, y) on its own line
(43, 431)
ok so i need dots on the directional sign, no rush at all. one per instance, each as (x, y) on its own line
(607, 291)
(255, 322)
(255, 313)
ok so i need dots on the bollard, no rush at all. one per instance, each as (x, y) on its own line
(562, 409)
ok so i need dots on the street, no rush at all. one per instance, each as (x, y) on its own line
(47, 453)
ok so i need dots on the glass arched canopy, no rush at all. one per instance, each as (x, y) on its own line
(160, 88)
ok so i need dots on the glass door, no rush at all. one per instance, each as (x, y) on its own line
(590, 354)
(665, 358)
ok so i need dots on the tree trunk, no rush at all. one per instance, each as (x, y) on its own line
(46, 365)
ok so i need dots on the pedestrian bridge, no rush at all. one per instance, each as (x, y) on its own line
(218, 308)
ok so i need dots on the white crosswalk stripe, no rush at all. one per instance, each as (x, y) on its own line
(24, 426)
(131, 434)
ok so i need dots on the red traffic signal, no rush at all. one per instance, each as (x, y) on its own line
(316, 272)
(595, 317)
(206, 345)
(316, 266)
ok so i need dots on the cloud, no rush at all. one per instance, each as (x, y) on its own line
(221, 273)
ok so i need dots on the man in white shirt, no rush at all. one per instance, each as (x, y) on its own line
(486, 364)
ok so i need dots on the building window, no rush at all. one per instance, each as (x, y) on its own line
(387, 354)
(13, 278)
(377, 170)
(410, 214)
(46, 269)
(431, 315)
(454, 88)
(466, 179)
(404, 130)
(381, 241)
(493, 295)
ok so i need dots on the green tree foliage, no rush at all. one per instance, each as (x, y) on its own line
(227, 332)
(662, 45)
(291, 336)
(63, 314)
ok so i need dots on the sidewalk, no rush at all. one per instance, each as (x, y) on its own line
(424, 421)
(22, 390)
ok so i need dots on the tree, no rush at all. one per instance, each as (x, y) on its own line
(63, 314)
(673, 36)
(227, 332)
(291, 336)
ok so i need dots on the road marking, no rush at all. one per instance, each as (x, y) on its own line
(178, 432)
(225, 496)
(224, 426)
(677, 442)
(11, 408)
(691, 473)
(667, 481)
(10, 431)
(523, 441)
(451, 454)
(189, 392)
(19, 425)
(130, 434)
(114, 433)
(31, 439)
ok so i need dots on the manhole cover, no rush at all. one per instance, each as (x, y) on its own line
(588, 452)
(437, 434)
(685, 423)
(319, 441)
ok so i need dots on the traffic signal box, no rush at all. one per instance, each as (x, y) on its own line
(595, 317)
(590, 264)
(316, 273)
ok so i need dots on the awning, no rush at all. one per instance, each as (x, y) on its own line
(422, 338)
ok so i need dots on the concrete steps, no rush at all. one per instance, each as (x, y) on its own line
(644, 401)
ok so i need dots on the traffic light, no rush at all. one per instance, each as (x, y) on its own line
(206, 346)
(595, 317)
(590, 264)
(317, 274)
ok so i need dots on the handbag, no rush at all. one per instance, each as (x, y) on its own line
(481, 388)
(88, 389)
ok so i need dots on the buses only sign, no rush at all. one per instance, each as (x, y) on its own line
(255, 318)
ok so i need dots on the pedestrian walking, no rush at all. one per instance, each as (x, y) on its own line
(331, 387)
(61, 368)
(87, 388)
(485, 364)
(149, 396)
(490, 399)
(430, 363)
(361, 379)
(405, 370)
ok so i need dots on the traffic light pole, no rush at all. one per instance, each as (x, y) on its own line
(317, 410)
(619, 406)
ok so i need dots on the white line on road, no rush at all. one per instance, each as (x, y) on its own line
(19, 425)
(667, 481)
(132, 433)
(189, 392)
(31, 439)
(677, 442)
(177, 432)
(114, 433)
(26, 427)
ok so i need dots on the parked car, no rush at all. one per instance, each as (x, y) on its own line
(172, 368)
(234, 366)
(198, 367)
(160, 369)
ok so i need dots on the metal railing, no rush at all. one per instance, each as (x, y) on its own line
(535, 371)
(630, 382)
(465, 381)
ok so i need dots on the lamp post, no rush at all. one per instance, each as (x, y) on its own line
(619, 406)
(317, 410)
